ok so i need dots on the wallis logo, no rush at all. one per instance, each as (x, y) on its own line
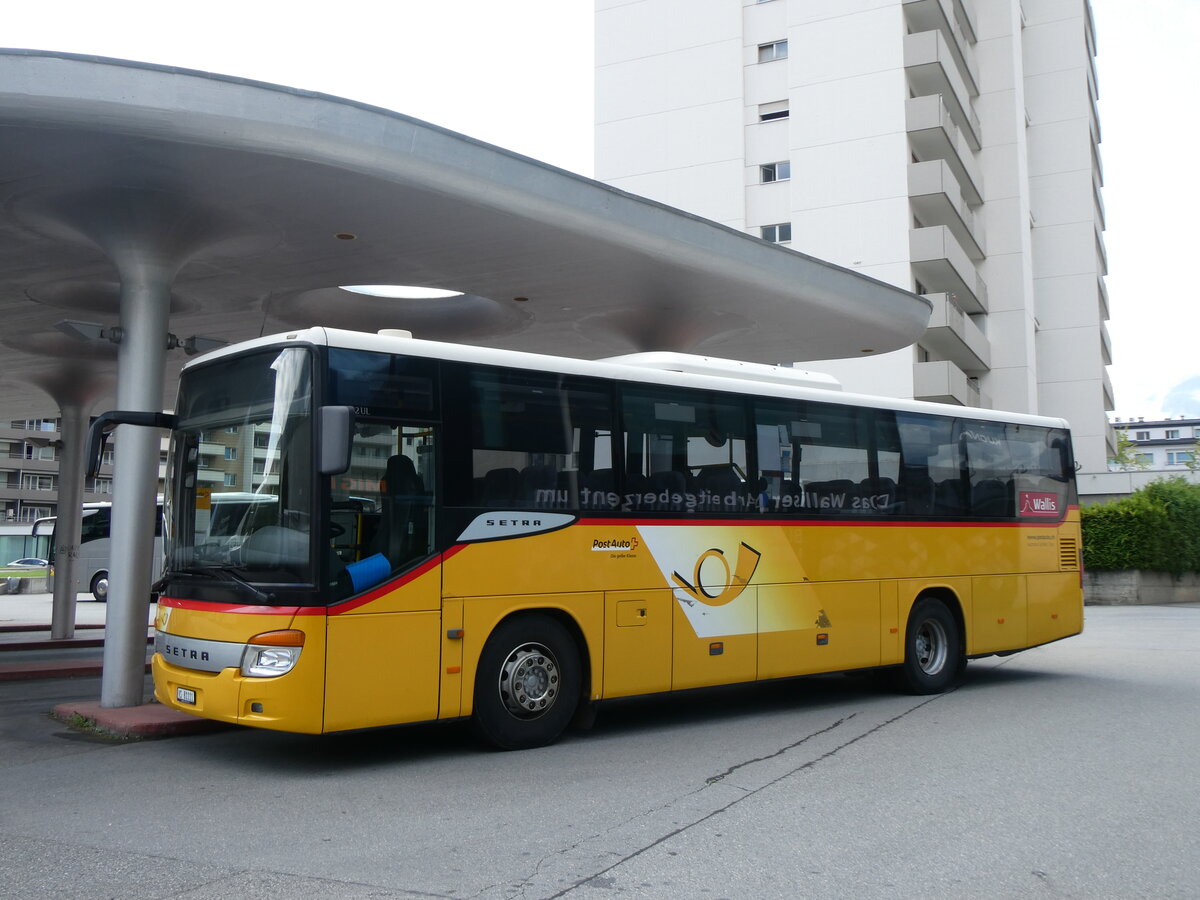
(720, 591)
(1038, 504)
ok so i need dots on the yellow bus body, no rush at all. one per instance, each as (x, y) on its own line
(654, 605)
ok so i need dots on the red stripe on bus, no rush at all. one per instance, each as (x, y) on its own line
(818, 523)
(353, 603)
(389, 586)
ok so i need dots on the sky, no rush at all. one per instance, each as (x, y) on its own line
(519, 74)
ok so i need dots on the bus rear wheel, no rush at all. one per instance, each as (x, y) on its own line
(933, 649)
(528, 682)
(99, 587)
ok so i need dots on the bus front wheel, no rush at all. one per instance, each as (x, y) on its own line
(528, 682)
(100, 587)
(933, 649)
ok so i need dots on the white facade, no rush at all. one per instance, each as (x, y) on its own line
(945, 146)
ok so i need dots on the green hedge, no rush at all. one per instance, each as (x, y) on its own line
(1156, 528)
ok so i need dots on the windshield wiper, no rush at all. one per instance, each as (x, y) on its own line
(230, 575)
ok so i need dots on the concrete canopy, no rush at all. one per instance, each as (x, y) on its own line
(257, 201)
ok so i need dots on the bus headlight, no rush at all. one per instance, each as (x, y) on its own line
(272, 653)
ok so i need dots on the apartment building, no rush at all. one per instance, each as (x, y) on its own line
(946, 146)
(1163, 445)
(1159, 448)
(30, 451)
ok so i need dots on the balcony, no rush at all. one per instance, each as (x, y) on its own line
(1106, 383)
(937, 200)
(944, 382)
(32, 496)
(1105, 345)
(946, 16)
(933, 135)
(953, 335)
(940, 263)
(932, 69)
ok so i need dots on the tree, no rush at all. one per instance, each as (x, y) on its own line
(1127, 457)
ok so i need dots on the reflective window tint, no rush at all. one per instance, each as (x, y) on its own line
(685, 451)
(538, 440)
(815, 458)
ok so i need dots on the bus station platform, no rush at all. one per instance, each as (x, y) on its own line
(28, 653)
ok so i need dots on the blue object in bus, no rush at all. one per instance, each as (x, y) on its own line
(369, 571)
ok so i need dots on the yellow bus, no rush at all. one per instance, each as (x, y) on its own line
(432, 531)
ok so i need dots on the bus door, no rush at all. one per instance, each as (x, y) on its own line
(384, 643)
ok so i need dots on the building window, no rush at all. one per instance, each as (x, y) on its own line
(1179, 457)
(1172, 434)
(1143, 459)
(773, 111)
(1141, 435)
(772, 51)
(776, 171)
(230, 479)
(231, 452)
(37, 482)
(102, 486)
(232, 429)
(777, 234)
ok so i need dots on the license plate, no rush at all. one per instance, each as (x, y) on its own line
(185, 695)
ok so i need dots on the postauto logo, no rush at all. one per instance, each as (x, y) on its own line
(627, 544)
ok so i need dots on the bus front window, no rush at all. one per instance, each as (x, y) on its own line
(241, 485)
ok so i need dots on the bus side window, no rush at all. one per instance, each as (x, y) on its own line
(537, 440)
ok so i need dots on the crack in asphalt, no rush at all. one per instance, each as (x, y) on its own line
(782, 750)
(716, 779)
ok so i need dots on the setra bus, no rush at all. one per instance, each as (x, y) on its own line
(429, 531)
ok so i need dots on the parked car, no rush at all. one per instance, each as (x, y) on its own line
(29, 562)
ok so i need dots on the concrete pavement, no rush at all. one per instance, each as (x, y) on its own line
(27, 652)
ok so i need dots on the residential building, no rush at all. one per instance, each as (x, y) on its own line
(946, 146)
(1158, 448)
(30, 450)
(1169, 445)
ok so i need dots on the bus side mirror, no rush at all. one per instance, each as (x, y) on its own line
(335, 433)
(106, 422)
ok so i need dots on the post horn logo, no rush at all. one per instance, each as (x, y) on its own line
(736, 578)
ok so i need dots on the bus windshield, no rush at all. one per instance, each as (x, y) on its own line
(240, 488)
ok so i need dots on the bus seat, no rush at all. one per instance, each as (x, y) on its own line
(917, 491)
(991, 497)
(720, 482)
(400, 490)
(500, 487)
(836, 495)
(948, 497)
(666, 487)
(537, 488)
(878, 495)
(595, 488)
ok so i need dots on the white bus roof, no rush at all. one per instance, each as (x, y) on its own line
(683, 370)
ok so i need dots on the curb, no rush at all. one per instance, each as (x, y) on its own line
(54, 669)
(147, 720)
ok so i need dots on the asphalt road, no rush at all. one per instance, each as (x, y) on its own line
(1071, 770)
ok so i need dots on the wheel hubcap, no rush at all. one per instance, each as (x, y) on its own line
(931, 647)
(529, 681)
